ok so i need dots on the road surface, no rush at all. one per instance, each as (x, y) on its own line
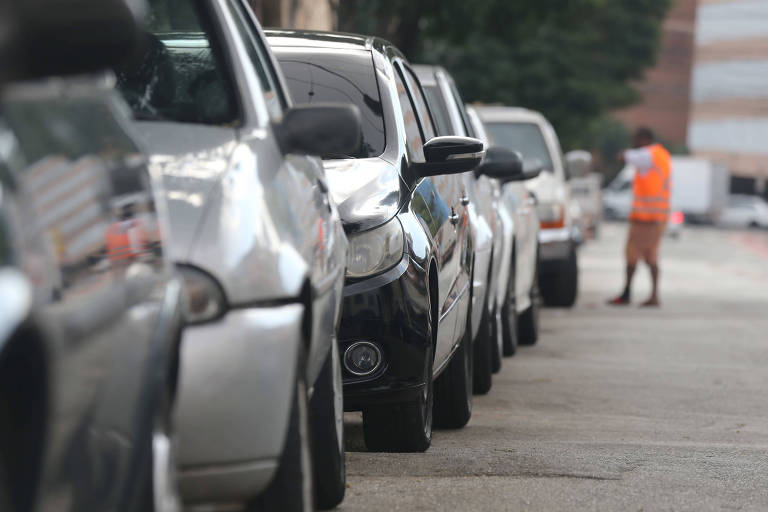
(614, 409)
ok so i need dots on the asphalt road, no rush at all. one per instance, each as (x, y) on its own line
(614, 409)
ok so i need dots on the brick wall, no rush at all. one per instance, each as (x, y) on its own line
(666, 88)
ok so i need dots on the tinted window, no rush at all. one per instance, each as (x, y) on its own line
(349, 77)
(414, 139)
(178, 75)
(437, 105)
(523, 137)
(420, 104)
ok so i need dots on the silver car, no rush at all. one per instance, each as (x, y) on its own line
(517, 295)
(530, 133)
(261, 250)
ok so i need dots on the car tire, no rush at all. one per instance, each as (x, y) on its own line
(482, 357)
(292, 487)
(528, 320)
(327, 417)
(509, 315)
(560, 288)
(453, 388)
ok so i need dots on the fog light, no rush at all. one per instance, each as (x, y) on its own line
(362, 358)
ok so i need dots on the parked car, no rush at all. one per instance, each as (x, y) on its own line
(745, 211)
(518, 305)
(586, 191)
(406, 298)
(90, 310)
(483, 197)
(261, 250)
(530, 133)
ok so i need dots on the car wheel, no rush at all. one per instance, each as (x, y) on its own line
(482, 357)
(528, 321)
(405, 427)
(509, 316)
(327, 416)
(453, 388)
(560, 288)
(291, 489)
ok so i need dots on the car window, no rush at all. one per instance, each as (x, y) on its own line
(258, 56)
(424, 115)
(315, 76)
(414, 138)
(179, 74)
(462, 110)
(523, 137)
(437, 105)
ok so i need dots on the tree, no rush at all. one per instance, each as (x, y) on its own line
(574, 61)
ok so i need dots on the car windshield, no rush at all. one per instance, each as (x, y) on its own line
(523, 137)
(348, 77)
(177, 76)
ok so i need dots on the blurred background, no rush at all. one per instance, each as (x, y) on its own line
(693, 70)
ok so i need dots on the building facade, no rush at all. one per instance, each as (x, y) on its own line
(729, 109)
(666, 89)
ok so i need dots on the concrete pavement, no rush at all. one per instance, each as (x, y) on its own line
(614, 409)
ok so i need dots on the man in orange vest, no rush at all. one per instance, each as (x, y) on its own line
(650, 210)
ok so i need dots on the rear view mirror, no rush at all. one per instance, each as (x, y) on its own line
(66, 37)
(320, 129)
(502, 164)
(578, 163)
(506, 165)
(451, 155)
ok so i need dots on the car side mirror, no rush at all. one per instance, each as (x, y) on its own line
(578, 163)
(322, 129)
(67, 38)
(502, 164)
(532, 168)
(451, 155)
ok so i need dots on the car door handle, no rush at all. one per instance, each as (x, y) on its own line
(453, 217)
(464, 200)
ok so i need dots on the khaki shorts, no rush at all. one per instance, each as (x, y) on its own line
(643, 241)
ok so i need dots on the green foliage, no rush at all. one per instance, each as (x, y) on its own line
(573, 60)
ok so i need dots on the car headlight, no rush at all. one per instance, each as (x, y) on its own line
(551, 215)
(203, 299)
(375, 251)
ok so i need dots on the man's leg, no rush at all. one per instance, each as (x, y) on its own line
(632, 258)
(652, 258)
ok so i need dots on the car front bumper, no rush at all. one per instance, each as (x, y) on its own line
(235, 391)
(392, 311)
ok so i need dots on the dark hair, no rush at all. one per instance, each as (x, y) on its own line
(645, 133)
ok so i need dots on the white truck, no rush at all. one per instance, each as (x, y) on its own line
(699, 190)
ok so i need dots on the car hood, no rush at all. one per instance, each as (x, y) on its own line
(367, 191)
(191, 160)
(547, 188)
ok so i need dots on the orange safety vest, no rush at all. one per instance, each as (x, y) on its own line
(652, 189)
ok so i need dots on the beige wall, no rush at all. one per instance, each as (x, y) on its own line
(306, 14)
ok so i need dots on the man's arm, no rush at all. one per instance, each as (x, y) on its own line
(639, 158)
